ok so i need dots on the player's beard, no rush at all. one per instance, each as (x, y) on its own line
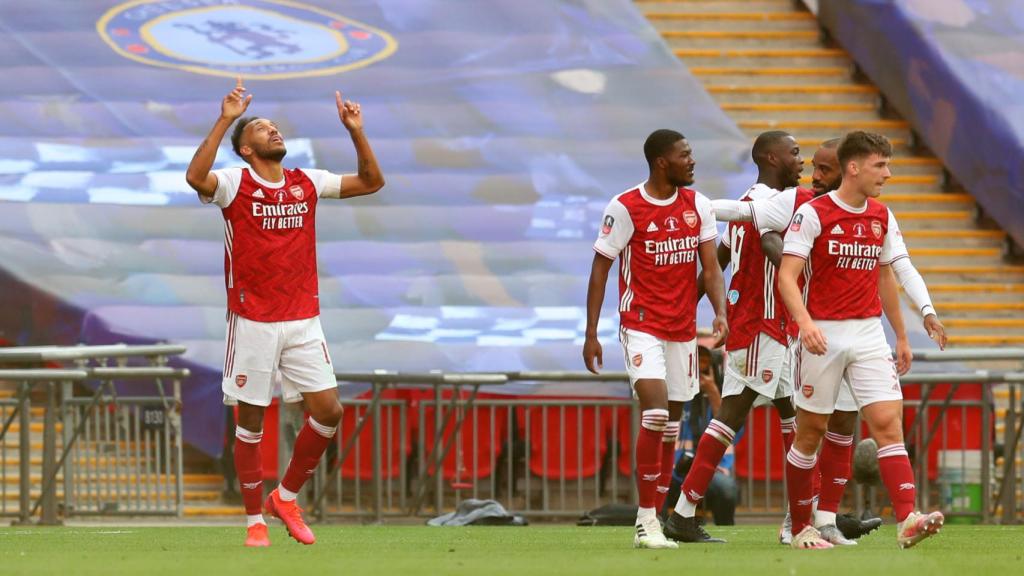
(274, 155)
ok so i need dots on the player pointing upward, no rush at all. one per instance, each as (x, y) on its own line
(270, 271)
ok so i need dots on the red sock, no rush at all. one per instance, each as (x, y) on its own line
(834, 462)
(648, 455)
(668, 461)
(713, 443)
(249, 468)
(800, 473)
(309, 447)
(894, 466)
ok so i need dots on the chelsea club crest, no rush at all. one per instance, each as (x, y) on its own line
(257, 39)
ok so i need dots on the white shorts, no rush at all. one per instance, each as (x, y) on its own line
(765, 367)
(260, 354)
(858, 352)
(845, 402)
(651, 357)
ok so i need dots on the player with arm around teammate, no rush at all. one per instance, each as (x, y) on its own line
(270, 270)
(657, 230)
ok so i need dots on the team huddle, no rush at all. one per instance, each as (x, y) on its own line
(813, 270)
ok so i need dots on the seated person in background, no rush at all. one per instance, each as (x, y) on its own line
(723, 492)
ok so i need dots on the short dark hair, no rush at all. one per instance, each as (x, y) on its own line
(830, 143)
(764, 142)
(859, 144)
(236, 134)
(659, 142)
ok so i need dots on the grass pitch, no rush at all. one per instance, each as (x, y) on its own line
(543, 549)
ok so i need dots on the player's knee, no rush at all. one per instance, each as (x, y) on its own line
(842, 423)
(329, 415)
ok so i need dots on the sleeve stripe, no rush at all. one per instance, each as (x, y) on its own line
(900, 257)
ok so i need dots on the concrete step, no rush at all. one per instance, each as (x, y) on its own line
(794, 93)
(825, 129)
(743, 39)
(793, 111)
(772, 76)
(712, 6)
(750, 57)
(986, 340)
(952, 241)
(800, 22)
(984, 322)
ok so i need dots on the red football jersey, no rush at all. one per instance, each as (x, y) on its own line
(270, 265)
(656, 243)
(754, 304)
(844, 247)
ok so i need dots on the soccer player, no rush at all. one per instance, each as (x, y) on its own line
(657, 229)
(758, 361)
(270, 269)
(842, 240)
(775, 213)
(837, 447)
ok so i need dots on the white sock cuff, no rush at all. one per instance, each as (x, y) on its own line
(248, 436)
(654, 419)
(670, 433)
(892, 450)
(801, 460)
(325, 431)
(719, 430)
(787, 424)
(839, 439)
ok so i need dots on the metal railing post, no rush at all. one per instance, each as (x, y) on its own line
(24, 455)
(49, 496)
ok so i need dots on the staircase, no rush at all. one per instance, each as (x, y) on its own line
(96, 465)
(765, 63)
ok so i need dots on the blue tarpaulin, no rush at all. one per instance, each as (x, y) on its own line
(502, 133)
(955, 69)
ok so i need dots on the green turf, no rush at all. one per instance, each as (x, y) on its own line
(545, 549)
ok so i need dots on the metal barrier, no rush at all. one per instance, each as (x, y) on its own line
(555, 457)
(117, 454)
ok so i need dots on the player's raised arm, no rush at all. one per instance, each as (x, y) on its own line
(890, 296)
(198, 174)
(368, 179)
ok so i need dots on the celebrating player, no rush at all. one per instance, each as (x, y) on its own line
(270, 269)
(837, 447)
(758, 344)
(657, 230)
(843, 239)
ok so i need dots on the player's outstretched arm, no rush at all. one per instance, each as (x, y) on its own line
(913, 284)
(198, 174)
(368, 179)
(811, 337)
(592, 353)
(889, 293)
(711, 273)
(732, 210)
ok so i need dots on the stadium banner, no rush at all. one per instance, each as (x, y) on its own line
(955, 70)
(502, 134)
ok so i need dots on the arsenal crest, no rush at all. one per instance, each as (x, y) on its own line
(240, 380)
(690, 217)
(766, 376)
(638, 360)
(807, 390)
(876, 228)
(296, 191)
